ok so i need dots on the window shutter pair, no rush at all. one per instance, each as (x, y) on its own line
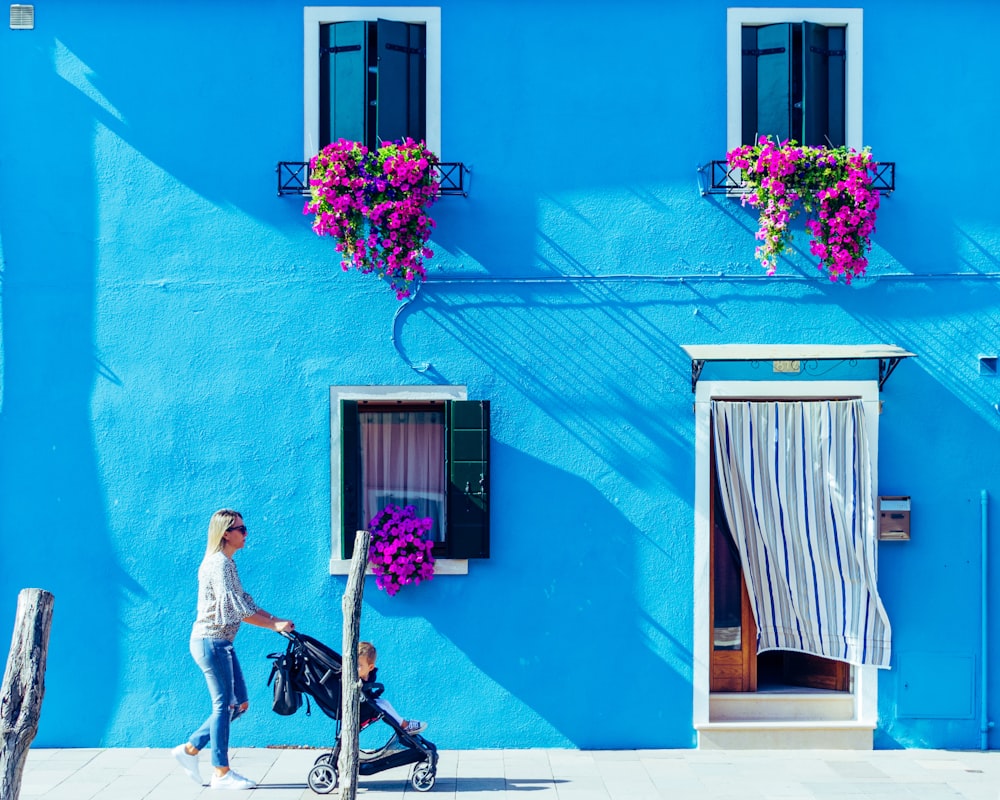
(467, 457)
(794, 78)
(372, 82)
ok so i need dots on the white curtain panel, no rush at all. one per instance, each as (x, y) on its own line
(402, 462)
(796, 485)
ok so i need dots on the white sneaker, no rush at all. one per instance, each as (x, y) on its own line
(189, 763)
(415, 726)
(231, 780)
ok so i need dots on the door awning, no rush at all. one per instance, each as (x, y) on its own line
(888, 355)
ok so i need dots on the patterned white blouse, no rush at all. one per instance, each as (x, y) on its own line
(222, 603)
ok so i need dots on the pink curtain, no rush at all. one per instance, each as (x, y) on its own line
(402, 462)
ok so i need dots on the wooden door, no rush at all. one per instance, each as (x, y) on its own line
(733, 658)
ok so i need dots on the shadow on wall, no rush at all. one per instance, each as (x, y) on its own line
(938, 434)
(926, 433)
(52, 517)
(948, 324)
(595, 361)
(575, 615)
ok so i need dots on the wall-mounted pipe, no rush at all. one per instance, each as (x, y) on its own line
(984, 722)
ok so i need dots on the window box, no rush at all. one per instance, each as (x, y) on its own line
(293, 178)
(718, 177)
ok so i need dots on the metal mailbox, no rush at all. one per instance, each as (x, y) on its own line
(894, 518)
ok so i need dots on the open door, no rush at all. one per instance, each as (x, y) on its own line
(734, 664)
(733, 659)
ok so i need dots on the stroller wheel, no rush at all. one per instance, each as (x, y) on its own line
(326, 758)
(423, 777)
(322, 779)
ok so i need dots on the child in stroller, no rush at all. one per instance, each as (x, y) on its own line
(367, 654)
(311, 668)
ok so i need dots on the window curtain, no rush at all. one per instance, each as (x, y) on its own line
(402, 462)
(795, 480)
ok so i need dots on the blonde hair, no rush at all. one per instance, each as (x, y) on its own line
(222, 520)
(367, 651)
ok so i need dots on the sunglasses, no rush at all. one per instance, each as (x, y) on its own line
(241, 528)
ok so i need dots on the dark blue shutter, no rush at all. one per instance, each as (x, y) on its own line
(767, 82)
(748, 73)
(824, 77)
(774, 81)
(343, 82)
(402, 69)
(468, 461)
(350, 475)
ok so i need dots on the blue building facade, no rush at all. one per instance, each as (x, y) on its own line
(175, 339)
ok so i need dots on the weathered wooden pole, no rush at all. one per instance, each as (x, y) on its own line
(351, 698)
(23, 686)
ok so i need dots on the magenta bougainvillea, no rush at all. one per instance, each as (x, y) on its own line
(399, 553)
(374, 203)
(834, 185)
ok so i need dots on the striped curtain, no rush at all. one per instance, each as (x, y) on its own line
(796, 485)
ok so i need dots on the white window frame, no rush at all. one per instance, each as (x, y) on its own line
(315, 16)
(865, 678)
(851, 18)
(342, 566)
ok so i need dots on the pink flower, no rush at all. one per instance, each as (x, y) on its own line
(398, 553)
(834, 184)
(374, 204)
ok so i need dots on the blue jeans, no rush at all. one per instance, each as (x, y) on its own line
(218, 661)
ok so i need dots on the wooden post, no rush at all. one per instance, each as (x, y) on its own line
(23, 686)
(351, 698)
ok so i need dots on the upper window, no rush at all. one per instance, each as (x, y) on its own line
(372, 75)
(422, 446)
(794, 73)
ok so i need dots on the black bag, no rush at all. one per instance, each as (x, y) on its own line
(307, 668)
(287, 699)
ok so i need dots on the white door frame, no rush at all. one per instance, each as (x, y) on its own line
(865, 684)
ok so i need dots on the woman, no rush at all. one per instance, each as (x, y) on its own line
(222, 606)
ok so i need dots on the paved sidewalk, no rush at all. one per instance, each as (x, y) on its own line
(151, 774)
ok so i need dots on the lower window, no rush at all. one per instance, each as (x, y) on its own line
(398, 448)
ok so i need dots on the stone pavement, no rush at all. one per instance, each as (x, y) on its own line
(151, 774)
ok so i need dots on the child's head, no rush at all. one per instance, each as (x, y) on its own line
(366, 659)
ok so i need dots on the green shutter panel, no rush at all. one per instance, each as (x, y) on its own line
(468, 456)
(823, 84)
(343, 79)
(350, 474)
(402, 69)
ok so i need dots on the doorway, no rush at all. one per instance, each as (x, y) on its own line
(863, 686)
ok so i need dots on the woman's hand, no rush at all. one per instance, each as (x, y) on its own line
(283, 625)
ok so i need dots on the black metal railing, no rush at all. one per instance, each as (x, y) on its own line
(293, 178)
(718, 177)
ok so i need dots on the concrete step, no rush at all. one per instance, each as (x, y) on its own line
(781, 706)
(830, 735)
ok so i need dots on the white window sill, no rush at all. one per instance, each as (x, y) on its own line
(442, 566)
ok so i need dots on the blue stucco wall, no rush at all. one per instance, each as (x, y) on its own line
(171, 329)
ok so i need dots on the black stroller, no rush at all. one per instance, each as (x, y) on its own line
(308, 667)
